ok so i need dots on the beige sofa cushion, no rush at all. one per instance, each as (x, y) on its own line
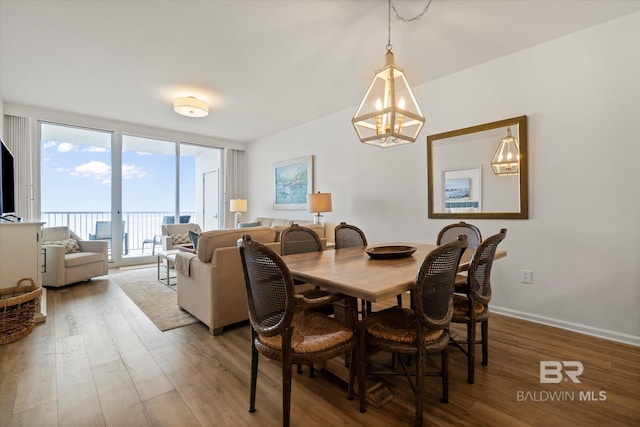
(279, 224)
(209, 241)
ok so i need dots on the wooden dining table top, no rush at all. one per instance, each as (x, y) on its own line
(353, 272)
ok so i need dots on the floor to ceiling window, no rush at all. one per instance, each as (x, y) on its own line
(103, 184)
(75, 179)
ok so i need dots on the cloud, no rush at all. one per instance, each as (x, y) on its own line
(101, 171)
(49, 144)
(94, 170)
(65, 147)
(96, 149)
(132, 171)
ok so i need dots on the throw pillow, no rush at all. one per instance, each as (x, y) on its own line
(194, 239)
(248, 224)
(180, 239)
(70, 245)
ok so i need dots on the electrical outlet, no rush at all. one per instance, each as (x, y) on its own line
(526, 276)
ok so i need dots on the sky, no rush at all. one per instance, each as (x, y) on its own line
(77, 178)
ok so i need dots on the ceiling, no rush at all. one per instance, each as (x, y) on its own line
(262, 65)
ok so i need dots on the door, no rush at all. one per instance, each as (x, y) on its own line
(211, 199)
(76, 179)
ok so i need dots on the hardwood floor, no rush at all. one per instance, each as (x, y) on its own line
(99, 361)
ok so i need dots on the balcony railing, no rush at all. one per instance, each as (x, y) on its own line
(137, 225)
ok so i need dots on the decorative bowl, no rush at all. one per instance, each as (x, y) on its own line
(391, 252)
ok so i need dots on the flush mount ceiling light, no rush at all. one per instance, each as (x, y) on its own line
(389, 114)
(506, 161)
(191, 106)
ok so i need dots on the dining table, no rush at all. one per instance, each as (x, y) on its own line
(353, 272)
(359, 275)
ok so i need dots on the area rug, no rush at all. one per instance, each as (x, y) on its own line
(157, 301)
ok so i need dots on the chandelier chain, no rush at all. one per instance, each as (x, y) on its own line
(403, 19)
(415, 18)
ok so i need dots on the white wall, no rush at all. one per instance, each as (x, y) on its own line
(581, 94)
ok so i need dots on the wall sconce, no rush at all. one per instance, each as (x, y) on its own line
(319, 202)
(506, 161)
(191, 106)
(238, 206)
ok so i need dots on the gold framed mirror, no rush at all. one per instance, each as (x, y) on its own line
(469, 175)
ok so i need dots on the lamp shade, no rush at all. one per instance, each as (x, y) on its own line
(389, 114)
(238, 205)
(319, 202)
(506, 160)
(191, 107)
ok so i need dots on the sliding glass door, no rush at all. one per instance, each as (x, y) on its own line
(103, 184)
(75, 180)
(148, 185)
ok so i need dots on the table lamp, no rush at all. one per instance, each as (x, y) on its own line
(319, 202)
(238, 206)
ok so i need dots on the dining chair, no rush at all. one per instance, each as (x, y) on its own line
(282, 327)
(419, 330)
(450, 233)
(473, 307)
(349, 236)
(297, 240)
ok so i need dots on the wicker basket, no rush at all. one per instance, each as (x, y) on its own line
(18, 305)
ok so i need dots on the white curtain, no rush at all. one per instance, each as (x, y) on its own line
(19, 138)
(234, 182)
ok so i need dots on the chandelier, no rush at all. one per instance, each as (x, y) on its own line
(389, 114)
(506, 160)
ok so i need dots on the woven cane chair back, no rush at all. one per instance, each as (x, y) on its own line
(269, 287)
(432, 293)
(298, 240)
(451, 232)
(479, 275)
(349, 236)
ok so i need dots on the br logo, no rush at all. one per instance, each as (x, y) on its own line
(551, 371)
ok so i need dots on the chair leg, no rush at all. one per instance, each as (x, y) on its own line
(445, 374)
(254, 374)
(287, 365)
(352, 373)
(484, 329)
(420, 373)
(361, 365)
(312, 372)
(286, 394)
(471, 350)
(399, 297)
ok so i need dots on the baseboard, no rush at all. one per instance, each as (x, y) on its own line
(575, 327)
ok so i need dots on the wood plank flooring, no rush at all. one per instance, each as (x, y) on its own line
(98, 361)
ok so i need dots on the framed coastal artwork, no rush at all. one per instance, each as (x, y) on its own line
(293, 180)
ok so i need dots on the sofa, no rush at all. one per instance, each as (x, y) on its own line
(69, 259)
(279, 224)
(211, 282)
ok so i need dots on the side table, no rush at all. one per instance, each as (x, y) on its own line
(167, 259)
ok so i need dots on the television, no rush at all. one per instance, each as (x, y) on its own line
(7, 189)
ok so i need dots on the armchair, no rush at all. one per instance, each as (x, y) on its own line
(176, 235)
(157, 239)
(68, 259)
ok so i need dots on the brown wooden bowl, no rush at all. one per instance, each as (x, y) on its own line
(391, 252)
